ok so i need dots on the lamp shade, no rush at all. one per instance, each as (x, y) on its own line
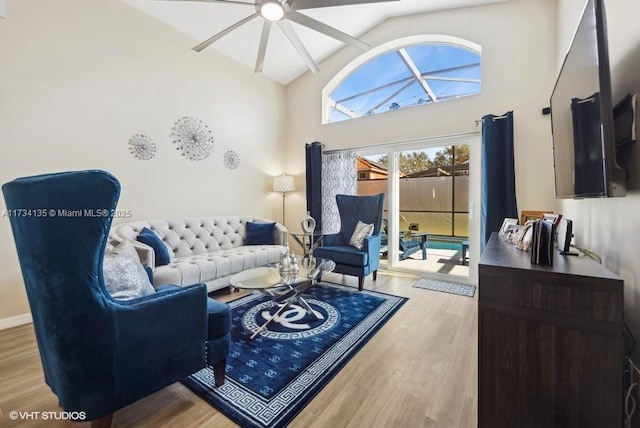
(283, 183)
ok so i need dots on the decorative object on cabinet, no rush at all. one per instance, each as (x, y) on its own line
(532, 215)
(505, 226)
(525, 237)
(193, 138)
(142, 147)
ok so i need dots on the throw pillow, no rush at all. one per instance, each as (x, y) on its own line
(361, 231)
(149, 237)
(260, 233)
(124, 276)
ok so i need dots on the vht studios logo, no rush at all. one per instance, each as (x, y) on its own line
(25, 416)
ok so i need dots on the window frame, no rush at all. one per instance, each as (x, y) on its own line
(394, 45)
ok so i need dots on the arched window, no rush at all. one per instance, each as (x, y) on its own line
(403, 73)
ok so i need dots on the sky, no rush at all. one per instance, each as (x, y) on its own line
(389, 67)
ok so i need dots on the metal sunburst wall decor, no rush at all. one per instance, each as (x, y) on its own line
(231, 159)
(142, 147)
(193, 138)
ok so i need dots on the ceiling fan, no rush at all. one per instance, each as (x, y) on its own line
(281, 12)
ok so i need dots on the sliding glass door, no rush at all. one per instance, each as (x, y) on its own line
(430, 191)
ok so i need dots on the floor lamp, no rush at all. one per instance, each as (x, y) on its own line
(283, 183)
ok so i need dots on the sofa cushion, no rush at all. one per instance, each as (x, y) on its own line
(207, 267)
(259, 233)
(149, 237)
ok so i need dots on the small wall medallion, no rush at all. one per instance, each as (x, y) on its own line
(231, 159)
(142, 147)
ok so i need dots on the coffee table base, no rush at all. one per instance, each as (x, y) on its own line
(294, 294)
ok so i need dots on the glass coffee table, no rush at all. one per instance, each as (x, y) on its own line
(286, 288)
(308, 241)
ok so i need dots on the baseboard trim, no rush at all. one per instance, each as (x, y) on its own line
(15, 321)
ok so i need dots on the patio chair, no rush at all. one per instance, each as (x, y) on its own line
(406, 245)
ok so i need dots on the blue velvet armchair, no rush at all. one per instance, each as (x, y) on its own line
(350, 260)
(100, 354)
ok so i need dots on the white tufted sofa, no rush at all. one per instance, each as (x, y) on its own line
(203, 250)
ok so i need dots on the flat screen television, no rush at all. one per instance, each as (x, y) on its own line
(582, 124)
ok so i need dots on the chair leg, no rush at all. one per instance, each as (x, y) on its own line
(103, 422)
(219, 369)
(375, 275)
(360, 283)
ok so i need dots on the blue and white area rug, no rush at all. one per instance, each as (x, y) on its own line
(446, 287)
(271, 378)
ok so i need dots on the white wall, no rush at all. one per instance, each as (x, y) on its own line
(611, 227)
(518, 66)
(78, 78)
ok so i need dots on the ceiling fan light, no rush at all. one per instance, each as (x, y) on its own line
(272, 10)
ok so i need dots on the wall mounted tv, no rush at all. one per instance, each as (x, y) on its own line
(584, 151)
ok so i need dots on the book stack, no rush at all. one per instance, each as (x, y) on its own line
(542, 244)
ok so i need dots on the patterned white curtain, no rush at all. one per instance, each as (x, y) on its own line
(339, 177)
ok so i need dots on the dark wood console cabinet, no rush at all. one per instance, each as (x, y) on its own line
(550, 341)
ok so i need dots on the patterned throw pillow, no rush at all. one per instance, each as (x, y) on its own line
(124, 276)
(361, 231)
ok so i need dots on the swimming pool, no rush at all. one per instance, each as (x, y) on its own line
(443, 245)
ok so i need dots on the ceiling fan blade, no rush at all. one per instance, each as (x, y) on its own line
(262, 50)
(314, 4)
(325, 29)
(297, 43)
(224, 32)
(217, 1)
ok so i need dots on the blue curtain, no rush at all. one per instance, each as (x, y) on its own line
(313, 154)
(498, 174)
(589, 169)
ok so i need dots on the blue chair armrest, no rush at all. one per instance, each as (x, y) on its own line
(371, 244)
(162, 324)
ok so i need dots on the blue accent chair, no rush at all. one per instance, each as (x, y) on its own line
(100, 354)
(349, 260)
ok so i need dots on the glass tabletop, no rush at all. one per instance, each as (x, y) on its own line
(271, 276)
(303, 234)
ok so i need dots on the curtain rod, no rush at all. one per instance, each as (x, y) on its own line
(396, 143)
(479, 121)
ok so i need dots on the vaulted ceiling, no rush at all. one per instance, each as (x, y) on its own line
(201, 20)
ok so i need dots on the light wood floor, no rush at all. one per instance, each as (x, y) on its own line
(419, 370)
